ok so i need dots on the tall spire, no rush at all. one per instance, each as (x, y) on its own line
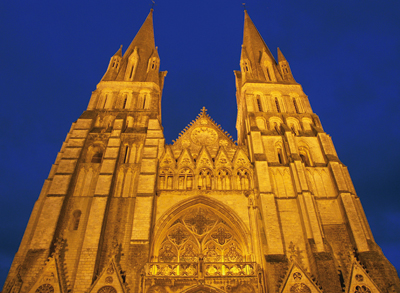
(144, 38)
(143, 44)
(255, 47)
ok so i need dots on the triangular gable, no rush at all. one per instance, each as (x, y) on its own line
(297, 280)
(167, 159)
(360, 281)
(109, 277)
(49, 278)
(203, 131)
(204, 159)
(185, 160)
(222, 159)
(240, 159)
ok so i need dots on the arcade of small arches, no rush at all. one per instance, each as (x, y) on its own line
(124, 100)
(204, 179)
(275, 102)
(293, 124)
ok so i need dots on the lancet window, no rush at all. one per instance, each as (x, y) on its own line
(97, 156)
(305, 156)
(246, 66)
(242, 179)
(185, 179)
(166, 179)
(115, 63)
(296, 107)
(278, 108)
(76, 217)
(279, 152)
(223, 180)
(204, 179)
(258, 100)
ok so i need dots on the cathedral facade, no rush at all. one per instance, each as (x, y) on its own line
(122, 211)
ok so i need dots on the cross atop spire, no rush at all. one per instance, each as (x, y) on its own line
(152, 5)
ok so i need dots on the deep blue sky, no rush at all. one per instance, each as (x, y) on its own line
(345, 54)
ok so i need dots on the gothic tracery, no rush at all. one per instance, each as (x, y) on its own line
(200, 233)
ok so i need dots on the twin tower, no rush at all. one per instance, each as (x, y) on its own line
(123, 212)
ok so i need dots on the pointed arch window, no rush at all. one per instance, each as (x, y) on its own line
(242, 179)
(144, 101)
(204, 180)
(126, 155)
(200, 235)
(279, 152)
(185, 179)
(258, 101)
(125, 101)
(223, 180)
(268, 74)
(97, 157)
(278, 108)
(131, 72)
(246, 66)
(76, 217)
(166, 179)
(305, 156)
(296, 107)
(105, 101)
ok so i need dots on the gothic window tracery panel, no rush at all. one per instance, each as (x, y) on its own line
(45, 288)
(362, 289)
(242, 179)
(185, 180)
(190, 252)
(168, 252)
(107, 289)
(204, 180)
(305, 156)
(212, 253)
(76, 216)
(178, 235)
(300, 288)
(200, 221)
(200, 233)
(223, 180)
(232, 253)
(166, 179)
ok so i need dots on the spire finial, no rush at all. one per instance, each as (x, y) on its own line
(203, 111)
(244, 6)
(152, 5)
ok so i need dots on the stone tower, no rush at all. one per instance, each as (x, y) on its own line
(121, 211)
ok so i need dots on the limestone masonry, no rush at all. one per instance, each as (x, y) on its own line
(121, 211)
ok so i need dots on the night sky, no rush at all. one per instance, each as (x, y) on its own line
(345, 54)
